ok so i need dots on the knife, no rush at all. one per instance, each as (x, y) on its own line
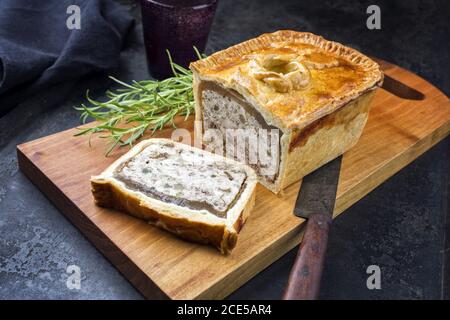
(315, 202)
(396, 87)
(400, 89)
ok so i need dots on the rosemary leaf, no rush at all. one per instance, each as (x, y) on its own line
(140, 106)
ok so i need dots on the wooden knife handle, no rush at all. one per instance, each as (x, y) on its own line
(304, 279)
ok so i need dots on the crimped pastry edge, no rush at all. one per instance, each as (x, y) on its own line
(265, 41)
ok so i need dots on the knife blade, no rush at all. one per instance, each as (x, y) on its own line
(318, 191)
(400, 89)
(395, 87)
(315, 202)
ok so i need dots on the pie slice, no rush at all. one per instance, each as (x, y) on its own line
(192, 193)
(285, 103)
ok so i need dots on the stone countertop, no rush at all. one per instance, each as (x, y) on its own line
(400, 226)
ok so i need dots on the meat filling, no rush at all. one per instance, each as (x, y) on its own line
(225, 109)
(183, 177)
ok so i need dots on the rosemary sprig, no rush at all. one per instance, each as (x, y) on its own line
(140, 106)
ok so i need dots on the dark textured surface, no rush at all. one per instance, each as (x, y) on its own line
(400, 226)
(36, 56)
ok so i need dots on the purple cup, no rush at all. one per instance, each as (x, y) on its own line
(178, 26)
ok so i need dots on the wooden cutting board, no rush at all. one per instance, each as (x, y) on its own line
(162, 266)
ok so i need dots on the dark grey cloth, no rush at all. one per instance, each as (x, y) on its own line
(39, 52)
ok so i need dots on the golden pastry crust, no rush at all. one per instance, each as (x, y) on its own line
(294, 77)
(326, 138)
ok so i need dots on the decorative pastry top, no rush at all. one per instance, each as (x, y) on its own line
(293, 77)
(282, 72)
